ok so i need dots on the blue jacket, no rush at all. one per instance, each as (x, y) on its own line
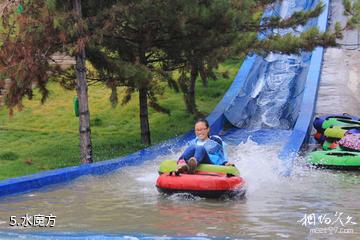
(214, 147)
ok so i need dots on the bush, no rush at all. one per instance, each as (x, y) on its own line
(10, 156)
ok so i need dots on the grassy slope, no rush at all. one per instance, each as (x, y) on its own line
(43, 137)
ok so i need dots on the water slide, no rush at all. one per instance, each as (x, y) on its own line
(271, 100)
(276, 100)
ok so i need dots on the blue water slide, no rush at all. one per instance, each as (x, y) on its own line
(271, 100)
(276, 102)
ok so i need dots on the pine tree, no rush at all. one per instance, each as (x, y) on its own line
(137, 44)
(81, 86)
(129, 54)
(29, 39)
(140, 41)
(212, 31)
(352, 9)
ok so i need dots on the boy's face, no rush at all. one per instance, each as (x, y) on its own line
(201, 131)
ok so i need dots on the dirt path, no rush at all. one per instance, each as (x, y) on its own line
(340, 76)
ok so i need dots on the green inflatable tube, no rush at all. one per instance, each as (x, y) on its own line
(335, 158)
(339, 122)
(170, 166)
(327, 146)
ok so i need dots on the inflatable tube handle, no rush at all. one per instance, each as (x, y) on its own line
(176, 173)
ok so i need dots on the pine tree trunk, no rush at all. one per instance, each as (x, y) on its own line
(144, 113)
(203, 75)
(144, 117)
(190, 96)
(81, 89)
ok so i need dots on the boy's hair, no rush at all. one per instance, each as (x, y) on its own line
(204, 121)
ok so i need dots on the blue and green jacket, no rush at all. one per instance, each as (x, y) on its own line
(214, 147)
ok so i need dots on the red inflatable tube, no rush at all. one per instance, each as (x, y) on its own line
(203, 184)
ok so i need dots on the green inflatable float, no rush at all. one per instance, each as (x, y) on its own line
(335, 159)
(329, 145)
(170, 166)
(339, 122)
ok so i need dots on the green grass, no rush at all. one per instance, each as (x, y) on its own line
(43, 137)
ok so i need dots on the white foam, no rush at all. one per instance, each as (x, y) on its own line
(258, 164)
